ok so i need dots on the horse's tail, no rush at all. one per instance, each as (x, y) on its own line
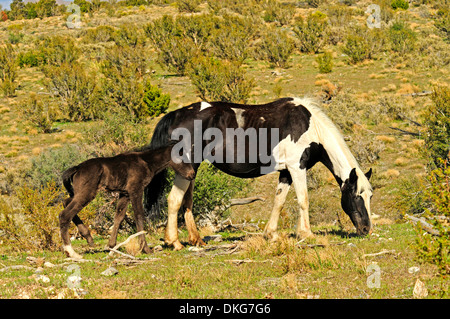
(67, 179)
(153, 193)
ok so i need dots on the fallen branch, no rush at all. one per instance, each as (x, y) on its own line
(244, 201)
(425, 225)
(244, 261)
(114, 250)
(384, 251)
(319, 245)
(405, 132)
(423, 93)
(16, 267)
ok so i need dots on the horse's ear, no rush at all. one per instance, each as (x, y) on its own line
(369, 173)
(353, 177)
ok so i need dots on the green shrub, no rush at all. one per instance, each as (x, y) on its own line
(442, 22)
(34, 226)
(312, 34)
(8, 69)
(437, 138)
(363, 44)
(30, 59)
(278, 12)
(46, 168)
(231, 38)
(356, 48)
(219, 80)
(276, 47)
(102, 33)
(118, 132)
(325, 62)
(174, 51)
(399, 4)
(156, 101)
(188, 5)
(435, 249)
(58, 49)
(402, 39)
(15, 37)
(40, 112)
(77, 91)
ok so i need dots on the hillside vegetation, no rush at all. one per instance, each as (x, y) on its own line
(68, 94)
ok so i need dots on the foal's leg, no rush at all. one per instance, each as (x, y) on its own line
(66, 216)
(284, 183)
(299, 179)
(175, 200)
(194, 236)
(122, 204)
(84, 231)
(138, 208)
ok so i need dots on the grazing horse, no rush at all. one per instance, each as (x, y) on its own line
(128, 174)
(304, 136)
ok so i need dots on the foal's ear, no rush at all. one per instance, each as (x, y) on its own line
(353, 177)
(369, 173)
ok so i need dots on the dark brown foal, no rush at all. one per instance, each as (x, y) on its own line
(128, 174)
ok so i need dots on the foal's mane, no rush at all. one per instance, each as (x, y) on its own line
(330, 136)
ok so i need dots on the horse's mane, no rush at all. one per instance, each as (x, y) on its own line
(330, 135)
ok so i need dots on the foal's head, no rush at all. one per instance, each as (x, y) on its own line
(356, 195)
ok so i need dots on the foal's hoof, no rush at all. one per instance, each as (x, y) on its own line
(71, 253)
(177, 245)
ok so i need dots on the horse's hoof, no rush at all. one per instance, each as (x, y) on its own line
(71, 253)
(197, 242)
(304, 234)
(271, 236)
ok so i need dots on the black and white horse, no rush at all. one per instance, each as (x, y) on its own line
(289, 135)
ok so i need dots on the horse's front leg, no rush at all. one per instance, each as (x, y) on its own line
(175, 199)
(194, 236)
(284, 183)
(301, 190)
(138, 208)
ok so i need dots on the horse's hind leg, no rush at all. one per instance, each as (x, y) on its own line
(194, 236)
(284, 183)
(84, 231)
(120, 215)
(65, 217)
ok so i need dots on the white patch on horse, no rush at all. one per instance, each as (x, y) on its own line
(204, 106)
(239, 117)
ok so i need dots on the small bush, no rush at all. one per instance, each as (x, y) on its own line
(34, 225)
(156, 101)
(174, 51)
(40, 112)
(399, 4)
(402, 39)
(76, 90)
(435, 249)
(325, 62)
(277, 12)
(8, 69)
(188, 5)
(47, 167)
(363, 44)
(276, 47)
(442, 22)
(58, 50)
(219, 80)
(312, 34)
(30, 59)
(437, 138)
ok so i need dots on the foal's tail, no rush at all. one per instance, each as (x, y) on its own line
(153, 193)
(67, 179)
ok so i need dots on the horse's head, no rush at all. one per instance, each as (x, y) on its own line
(356, 195)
